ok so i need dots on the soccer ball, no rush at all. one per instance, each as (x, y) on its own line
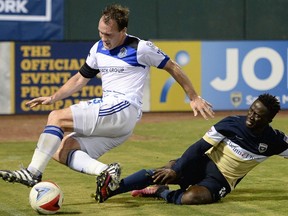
(46, 197)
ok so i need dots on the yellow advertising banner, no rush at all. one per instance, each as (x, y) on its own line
(165, 93)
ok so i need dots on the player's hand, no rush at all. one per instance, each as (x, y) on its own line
(39, 101)
(164, 176)
(202, 106)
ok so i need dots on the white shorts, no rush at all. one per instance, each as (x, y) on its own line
(101, 125)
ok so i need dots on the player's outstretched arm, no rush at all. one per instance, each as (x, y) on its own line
(74, 84)
(202, 106)
(38, 101)
(197, 103)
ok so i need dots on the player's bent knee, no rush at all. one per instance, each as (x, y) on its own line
(68, 144)
(53, 116)
(61, 119)
(196, 195)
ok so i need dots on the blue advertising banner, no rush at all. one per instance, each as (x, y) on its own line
(33, 20)
(235, 73)
(42, 68)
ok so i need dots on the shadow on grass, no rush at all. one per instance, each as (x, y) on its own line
(256, 195)
(123, 201)
(119, 202)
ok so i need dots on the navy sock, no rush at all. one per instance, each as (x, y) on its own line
(172, 196)
(136, 181)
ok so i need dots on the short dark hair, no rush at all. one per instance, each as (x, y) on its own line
(271, 102)
(118, 13)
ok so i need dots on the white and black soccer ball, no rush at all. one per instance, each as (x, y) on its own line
(46, 197)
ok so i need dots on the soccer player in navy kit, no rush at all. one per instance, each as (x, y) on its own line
(98, 125)
(212, 167)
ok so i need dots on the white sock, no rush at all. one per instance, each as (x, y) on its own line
(82, 162)
(48, 143)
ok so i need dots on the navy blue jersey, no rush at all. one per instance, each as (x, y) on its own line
(236, 150)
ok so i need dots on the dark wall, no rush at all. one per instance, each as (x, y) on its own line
(266, 19)
(185, 19)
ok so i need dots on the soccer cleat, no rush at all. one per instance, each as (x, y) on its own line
(151, 191)
(107, 181)
(22, 176)
(114, 170)
(102, 188)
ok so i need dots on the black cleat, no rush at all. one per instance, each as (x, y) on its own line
(107, 181)
(22, 176)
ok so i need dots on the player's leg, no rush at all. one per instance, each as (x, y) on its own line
(70, 154)
(206, 188)
(99, 127)
(80, 153)
(68, 144)
(196, 195)
(59, 121)
(109, 176)
(212, 187)
(47, 145)
(116, 122)
(76, 156)
(136, 182)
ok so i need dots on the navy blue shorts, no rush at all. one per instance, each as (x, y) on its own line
(205, 173)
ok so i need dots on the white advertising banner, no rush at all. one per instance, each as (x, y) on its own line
(6, 78)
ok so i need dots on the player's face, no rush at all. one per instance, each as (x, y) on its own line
(257, 117)
(110, 35)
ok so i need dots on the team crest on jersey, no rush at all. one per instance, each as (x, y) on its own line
(122, 53)
(262, 147)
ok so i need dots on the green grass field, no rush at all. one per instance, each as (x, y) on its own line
(263, 192)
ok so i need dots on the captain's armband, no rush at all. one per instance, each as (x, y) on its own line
(88, 72)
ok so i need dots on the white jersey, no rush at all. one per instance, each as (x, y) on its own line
(124, 69)
(103, 124)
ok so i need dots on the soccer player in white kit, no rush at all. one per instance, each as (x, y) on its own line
(100, 124)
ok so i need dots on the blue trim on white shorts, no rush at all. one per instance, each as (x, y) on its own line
(114, 109)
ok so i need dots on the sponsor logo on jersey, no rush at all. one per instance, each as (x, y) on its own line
(262, 147)
(112, 70)
(238, 150)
